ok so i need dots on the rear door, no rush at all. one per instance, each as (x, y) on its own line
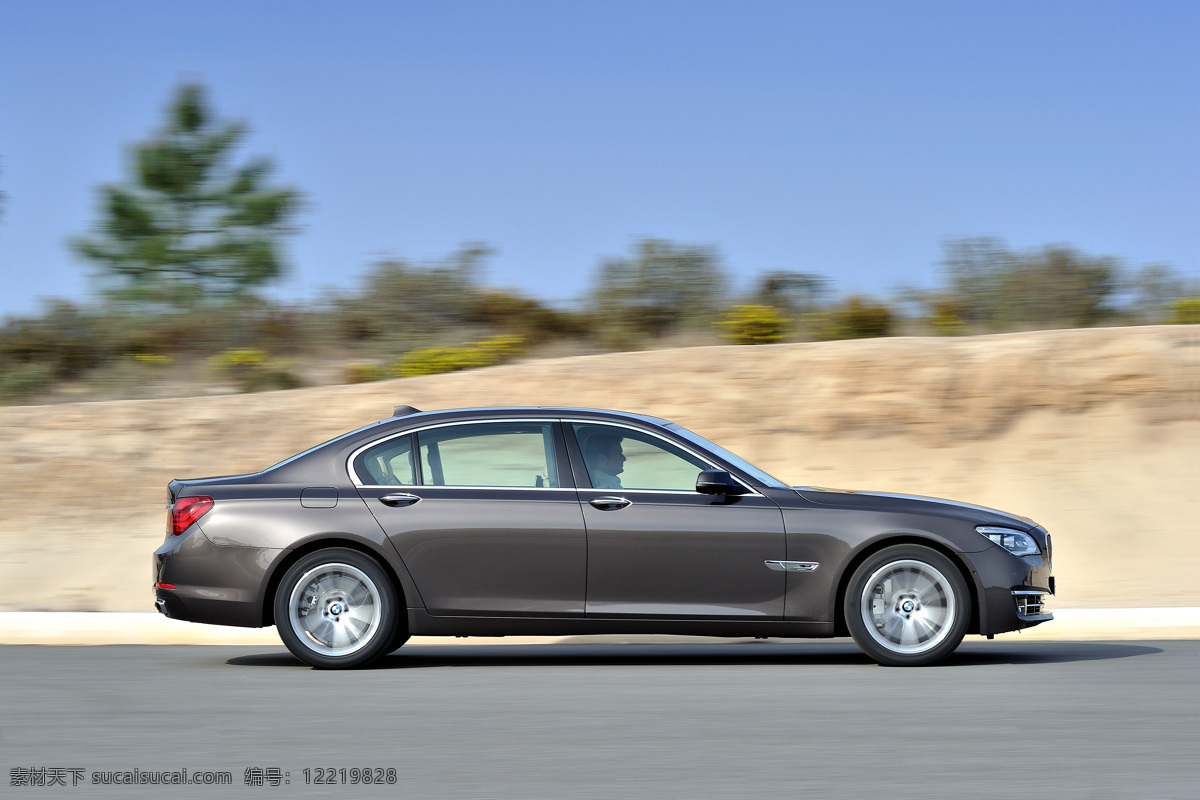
(480, 516)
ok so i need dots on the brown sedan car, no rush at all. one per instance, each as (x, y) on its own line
(566, 521)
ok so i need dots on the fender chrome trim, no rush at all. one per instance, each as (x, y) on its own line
(792, 566)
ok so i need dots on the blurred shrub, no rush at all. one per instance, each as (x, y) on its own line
(1052, 286)
(151, 359)
(437, 360)
(1152, 291)
(1185, 311)
(64, 338)
(235, 362)
(856, 318)
(661, 287)
(752, 324)
(281, 329)
(500, 309)
(946, 315)
(363, 373)
(20, 382)
(793, 293)
(254, 371)
(409, 302)
(501, 348)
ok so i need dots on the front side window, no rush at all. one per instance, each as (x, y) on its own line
(507, 454)
(734, 459)
(621, 458)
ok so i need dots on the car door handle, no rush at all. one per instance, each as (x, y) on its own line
(402, 499)
(609, 503)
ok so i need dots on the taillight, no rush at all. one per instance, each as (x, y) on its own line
(185, 511)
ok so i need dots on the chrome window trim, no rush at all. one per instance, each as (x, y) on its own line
(358, 483)
(688, 492)
(459, 488)
(750, 492)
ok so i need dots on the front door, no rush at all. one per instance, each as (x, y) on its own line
(656, 547)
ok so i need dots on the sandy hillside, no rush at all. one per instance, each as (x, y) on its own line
(1094, 433)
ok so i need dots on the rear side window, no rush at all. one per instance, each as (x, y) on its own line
(389, 463)
(507, 454)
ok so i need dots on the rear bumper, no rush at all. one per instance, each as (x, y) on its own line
(214, 584)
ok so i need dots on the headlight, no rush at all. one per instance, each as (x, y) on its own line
(1015, 542)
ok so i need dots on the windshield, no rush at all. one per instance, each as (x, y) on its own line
(734, 461)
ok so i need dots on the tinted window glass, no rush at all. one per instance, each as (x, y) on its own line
(387, 464)
(516, 454)
(737, 461)
(620, 458)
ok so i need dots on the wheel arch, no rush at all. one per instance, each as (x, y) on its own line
(839, 624)
(285, 563)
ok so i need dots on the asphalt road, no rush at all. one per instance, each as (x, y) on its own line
(691, 720)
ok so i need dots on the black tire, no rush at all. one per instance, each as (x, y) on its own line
(336, 609)
(399, 636)
(907, 606)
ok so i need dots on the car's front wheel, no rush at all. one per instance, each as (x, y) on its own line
(337, 608)
(907, 606)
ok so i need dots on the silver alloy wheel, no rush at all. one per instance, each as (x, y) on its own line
(335, 609)
(908, 606)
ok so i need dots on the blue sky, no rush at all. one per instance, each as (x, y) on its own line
(847, 139)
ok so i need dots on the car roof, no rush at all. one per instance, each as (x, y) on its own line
(501, 412)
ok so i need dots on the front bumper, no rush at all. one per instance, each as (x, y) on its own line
(214, 584)
(1014, 591)
(1031, 604)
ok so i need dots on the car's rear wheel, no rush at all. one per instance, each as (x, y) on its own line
(907, 606)
(337, 608)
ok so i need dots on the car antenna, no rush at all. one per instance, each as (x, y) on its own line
(404, 411)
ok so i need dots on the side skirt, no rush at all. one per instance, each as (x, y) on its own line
(421, 623)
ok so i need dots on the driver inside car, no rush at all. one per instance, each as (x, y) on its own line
(605, 461)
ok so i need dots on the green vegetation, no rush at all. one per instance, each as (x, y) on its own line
(1054, 286)
(185, 242)
(362, 373)
(21, 381)
(255, 371)
(661, 288)
(793, 293)
(1185, 311)
(437, 360)
(407, 319)
(187, 228)
(753, 324)
(854, 318)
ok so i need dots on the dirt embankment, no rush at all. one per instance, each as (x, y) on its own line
(1094, 433)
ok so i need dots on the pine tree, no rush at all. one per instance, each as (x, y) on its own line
(188, 228)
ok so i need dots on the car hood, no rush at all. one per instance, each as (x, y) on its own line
(886, 501)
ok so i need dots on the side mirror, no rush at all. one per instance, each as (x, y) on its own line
(718, 481)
